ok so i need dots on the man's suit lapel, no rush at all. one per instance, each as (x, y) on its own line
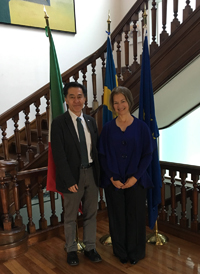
(70, 125)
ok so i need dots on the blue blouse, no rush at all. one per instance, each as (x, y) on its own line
(123, 154)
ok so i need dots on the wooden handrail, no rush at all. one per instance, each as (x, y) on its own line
(180, 167)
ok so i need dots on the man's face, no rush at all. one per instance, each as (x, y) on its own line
(75, 100)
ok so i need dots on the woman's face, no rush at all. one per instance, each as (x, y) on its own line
(120, 104)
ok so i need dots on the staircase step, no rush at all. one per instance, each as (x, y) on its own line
(34, 136)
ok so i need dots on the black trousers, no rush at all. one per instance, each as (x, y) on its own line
(127, 221)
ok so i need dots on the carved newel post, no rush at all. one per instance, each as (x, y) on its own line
(7, 172)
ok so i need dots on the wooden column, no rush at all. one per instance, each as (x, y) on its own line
(164, 35)
(29, 153)
(101, 202)
(5, 141)
(7, 171)
(18, 217)
(30, 226)
(118, 39)
(163, 212)
(127, 72)
(47, 96)
(187, 11)
(53, 218)
(183, 221)
(94, 86)
(153, 45)
(42, 221)
(195, 226)
(135, 64)
(17, 142)
(173, 217)
(40, 144)
(175, 23)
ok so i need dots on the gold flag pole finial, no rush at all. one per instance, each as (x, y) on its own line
(145, 16)
(46, 16)
(109, 21)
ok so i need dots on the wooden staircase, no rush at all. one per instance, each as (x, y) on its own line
(23, 155)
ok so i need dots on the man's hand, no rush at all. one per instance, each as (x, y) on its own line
(129, 183)
(73, 188)
(117, 183)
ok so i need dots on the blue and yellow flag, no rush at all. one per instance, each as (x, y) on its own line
(110, 83)
(147, 114)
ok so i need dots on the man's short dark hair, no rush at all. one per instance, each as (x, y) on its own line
(74, 85)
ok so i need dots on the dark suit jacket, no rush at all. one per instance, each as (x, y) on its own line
(66, 151)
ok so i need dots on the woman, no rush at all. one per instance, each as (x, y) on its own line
(125, 152)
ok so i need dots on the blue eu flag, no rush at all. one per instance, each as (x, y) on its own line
(147, 114)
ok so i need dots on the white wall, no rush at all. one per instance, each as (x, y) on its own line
(24, 52)
(180, 142)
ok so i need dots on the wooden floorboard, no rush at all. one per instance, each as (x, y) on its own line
(175, 257)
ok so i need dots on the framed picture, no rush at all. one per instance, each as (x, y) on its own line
(30, 13)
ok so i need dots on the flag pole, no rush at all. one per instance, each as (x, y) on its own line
(80, 245)
(154, 238)
(106, 239)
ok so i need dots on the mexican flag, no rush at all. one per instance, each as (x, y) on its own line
(56, 107)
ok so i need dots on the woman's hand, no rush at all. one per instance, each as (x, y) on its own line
(117, 183)
(129, 183)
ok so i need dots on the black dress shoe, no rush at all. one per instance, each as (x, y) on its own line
(93, 255)
(72, 258)
(133, 261)
(123, 261)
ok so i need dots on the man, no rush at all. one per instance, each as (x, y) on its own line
(77, 170)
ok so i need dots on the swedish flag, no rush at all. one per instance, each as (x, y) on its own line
(110, 83)
(147, 114)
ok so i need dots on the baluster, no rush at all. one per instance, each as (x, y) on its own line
(7, 221)
(47, 96)
(187, 11)
(63, 210)
(118, 40)
(29, 152)
(53, 218)
(195, 226)
(40, 144)
(163, 212)
(30, 226)
(5, 141)
(76, 76)
(173, 216)
(94, 86)
(7, 172)
(101, 202)
(197, 3)
(84, 70)
(42, 221)
(175, 23)
(127, 72)
(18, 217)
(164, 34)
(153, 45)
(135, 64)
(17, 141)
(183, 221)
